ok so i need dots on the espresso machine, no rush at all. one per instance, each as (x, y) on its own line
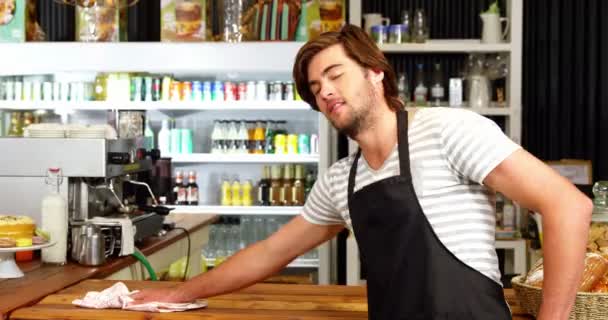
(105, 179)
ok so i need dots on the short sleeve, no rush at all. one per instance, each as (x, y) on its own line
(320, 207)
(473, 144)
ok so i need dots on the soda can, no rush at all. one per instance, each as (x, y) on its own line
(242, 91)
(250, 96)
(292, 144)
(280, 144)
(186, 91)
(147, 89)
(197, 91)
(276, 91)
(229, 91)
(288, 91)
(176, 91)
(303, 144)
(261, 91)
(166, 88)
(217, 91)
(207, 96)
(156, 91)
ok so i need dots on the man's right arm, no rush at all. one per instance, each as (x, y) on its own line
(250, 265)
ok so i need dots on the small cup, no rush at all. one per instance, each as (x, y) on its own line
(396, 33)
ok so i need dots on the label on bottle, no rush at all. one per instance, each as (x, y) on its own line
(437, 92)
(182, 195)
(192, 195)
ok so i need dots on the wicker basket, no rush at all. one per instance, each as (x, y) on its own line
(587, 306)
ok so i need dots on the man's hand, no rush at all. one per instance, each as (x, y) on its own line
(158, 295)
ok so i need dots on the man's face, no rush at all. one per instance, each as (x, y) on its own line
(342, 89)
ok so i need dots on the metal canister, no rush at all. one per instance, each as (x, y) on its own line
(250, 96)
(217, 91)
(261, 90)
(197, 91)
(156, 91)
(280, 143)
(288, 91)
(186, 91)
(176, 91)
(230, 91)
(276, 91)
(292, 144)
(207, 95)
(241, 91)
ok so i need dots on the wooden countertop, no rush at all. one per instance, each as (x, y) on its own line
(41, 280)
(258, 302)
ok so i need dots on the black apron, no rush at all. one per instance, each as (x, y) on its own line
(410, 273)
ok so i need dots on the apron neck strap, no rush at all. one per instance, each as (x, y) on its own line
(403, 148)
(403, 144)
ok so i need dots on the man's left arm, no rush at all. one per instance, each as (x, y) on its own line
(566, 216)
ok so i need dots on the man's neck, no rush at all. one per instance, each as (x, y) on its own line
(377, 141)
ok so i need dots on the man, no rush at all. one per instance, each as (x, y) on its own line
(419, 200)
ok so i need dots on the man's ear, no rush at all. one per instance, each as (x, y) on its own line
(376, 75)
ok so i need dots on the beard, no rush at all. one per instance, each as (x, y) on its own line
(360, 116)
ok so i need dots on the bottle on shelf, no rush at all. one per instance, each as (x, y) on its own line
(226, 196)
(246, 198)
(286, 191)
(192, 194)
(259, 137)
(15, 128)
(243, 138)
(269, 137)
(179, 190)
(148, 136)
(437, 89)
(263, 198)
(309, 183)
(232, 137)
(55, 219)
(421, 91)
(164, 138)
(403, 88)
(236, 193)
(217, 137)
(297, 190)
(250, 136)
(275, 186)
(222, 238)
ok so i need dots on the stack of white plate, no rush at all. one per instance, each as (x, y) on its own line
(44, 130)
(92, 132)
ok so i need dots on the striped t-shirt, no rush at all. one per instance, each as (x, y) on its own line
(451, 153)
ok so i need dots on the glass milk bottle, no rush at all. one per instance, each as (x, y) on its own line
(55, 220)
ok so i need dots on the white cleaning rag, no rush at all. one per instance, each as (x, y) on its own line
(127, 233)
(117, 297)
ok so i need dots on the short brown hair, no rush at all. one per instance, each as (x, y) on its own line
(359, 47)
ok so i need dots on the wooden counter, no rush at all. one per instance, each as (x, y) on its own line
(41, 280)
(258, 302)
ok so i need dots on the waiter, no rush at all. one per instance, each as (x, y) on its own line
(418, 195)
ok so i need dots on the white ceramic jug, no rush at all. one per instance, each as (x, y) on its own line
(491, 31)
(374, 19)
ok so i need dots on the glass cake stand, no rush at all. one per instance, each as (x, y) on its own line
(8, 268)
